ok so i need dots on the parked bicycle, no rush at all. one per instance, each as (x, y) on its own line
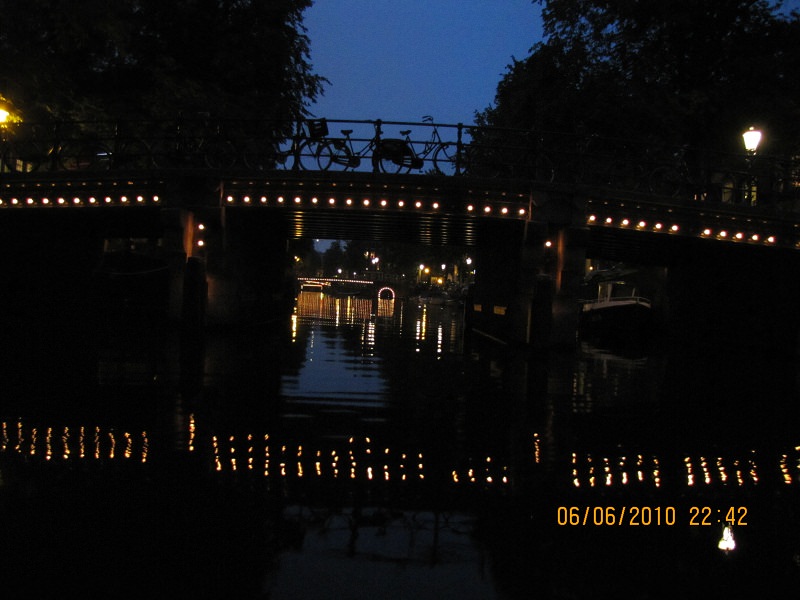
(397, 157)
(387, 155)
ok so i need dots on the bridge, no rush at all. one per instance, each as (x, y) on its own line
(219, 200)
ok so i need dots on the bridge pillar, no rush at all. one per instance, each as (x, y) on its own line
(249, 269)
(528, 281)
(497, 307)
(569, 264)
(559, 242)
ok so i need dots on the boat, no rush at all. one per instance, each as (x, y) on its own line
(616, 313)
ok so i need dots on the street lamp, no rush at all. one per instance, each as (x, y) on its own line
(8, 114)
(752, 138)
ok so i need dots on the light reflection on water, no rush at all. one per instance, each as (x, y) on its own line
(383, 398)
(609, 406)
(362, 460)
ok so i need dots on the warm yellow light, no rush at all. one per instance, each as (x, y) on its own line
(752, 138)
(8, 114)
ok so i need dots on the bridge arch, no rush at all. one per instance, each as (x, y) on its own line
(386, 293)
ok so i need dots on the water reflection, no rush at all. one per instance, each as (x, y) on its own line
(365, 418)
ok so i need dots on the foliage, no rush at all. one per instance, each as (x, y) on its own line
(688, 72)
(99, 59)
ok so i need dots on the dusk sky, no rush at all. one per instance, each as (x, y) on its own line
(398, 61)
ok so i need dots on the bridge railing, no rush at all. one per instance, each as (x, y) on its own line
(425, 147)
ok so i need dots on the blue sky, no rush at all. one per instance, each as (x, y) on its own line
(398, 60)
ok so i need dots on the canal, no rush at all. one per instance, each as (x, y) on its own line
(354, 449)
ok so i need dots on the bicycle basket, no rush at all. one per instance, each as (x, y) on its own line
(317, 128)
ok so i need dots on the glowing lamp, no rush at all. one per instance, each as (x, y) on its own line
(8, 114)
(752, 138)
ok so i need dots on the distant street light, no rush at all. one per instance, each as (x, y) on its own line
(752, 138)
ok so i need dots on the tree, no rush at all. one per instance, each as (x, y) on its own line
(685, 72)
(94, 59)
(333, 258)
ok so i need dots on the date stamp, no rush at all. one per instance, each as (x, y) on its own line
(649, 516)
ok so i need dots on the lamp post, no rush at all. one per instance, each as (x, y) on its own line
(752, 138)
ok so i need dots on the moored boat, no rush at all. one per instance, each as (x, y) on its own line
(617, 313)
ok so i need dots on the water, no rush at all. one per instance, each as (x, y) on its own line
(361, 450)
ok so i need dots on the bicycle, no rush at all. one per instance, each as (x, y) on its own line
(339, 153)
(399, 156)
(388, 155)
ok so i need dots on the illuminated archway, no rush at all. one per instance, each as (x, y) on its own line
(386, 293)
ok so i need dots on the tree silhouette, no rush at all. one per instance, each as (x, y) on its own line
(685, 72)
(156, 58)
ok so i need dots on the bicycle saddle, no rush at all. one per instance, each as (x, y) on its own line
(347, 131)
(405, 132)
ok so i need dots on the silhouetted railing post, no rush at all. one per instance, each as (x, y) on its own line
(298, 135)
(377, 148)
(459, 147)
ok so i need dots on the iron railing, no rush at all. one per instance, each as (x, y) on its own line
(426, 147)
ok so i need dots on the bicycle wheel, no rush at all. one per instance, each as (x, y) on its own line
(336, 156)
(304, 155)
(394, 156)
(445, 159)
(219, 154)
(388, 165)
